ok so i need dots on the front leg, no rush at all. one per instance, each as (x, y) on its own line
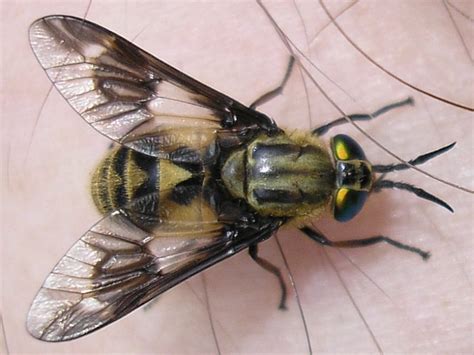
(361, 117)
(364, 242)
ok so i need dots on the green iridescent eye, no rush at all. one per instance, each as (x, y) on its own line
(345, 148)
(348, 203)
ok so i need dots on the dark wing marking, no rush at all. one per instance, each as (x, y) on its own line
(124, 92)
(116, 267)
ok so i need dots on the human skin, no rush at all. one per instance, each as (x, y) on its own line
(367, 300)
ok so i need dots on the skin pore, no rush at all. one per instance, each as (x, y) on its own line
(376, 299)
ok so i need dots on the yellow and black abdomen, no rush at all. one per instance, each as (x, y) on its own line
(282, 176)
(123, 176)
(153, 191)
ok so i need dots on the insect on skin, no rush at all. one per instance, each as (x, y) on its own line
(196, 178)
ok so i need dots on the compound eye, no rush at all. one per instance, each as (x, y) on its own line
(348, 203)
(345, 148)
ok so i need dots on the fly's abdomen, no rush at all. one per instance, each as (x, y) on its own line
(123, 176)
(152, 190)
(281, 176)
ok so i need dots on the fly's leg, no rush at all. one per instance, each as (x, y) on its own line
(361, 117)
(278, 90)
(253, 251)
(358, 243)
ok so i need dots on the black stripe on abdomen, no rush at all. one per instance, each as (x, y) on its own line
(118, 196)
(149, 165)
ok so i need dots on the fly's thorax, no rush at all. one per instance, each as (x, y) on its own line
(287, 175)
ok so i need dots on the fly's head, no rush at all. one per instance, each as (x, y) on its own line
(355, 177)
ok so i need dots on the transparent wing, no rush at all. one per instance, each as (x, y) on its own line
(124, 92)
(116, 267)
